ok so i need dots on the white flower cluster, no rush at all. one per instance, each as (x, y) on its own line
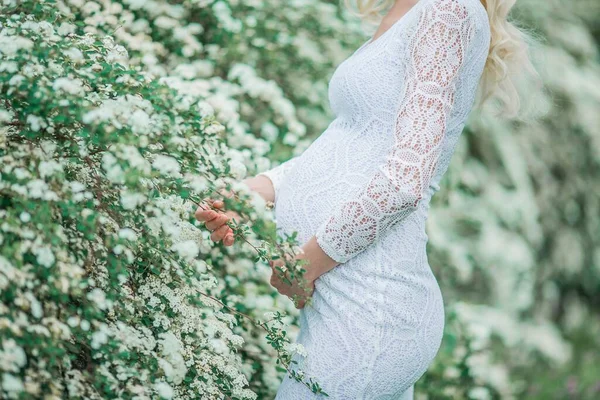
(105, 266)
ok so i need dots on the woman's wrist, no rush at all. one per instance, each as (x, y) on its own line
(318, 261)
(262, 185)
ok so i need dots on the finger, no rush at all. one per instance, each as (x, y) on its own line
(214, 202)
(216, 223)
(201, 208)
(219, 234)
(229, 239)
(204, 214)
(207, 216)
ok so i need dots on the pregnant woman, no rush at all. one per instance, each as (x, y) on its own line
(359, 195)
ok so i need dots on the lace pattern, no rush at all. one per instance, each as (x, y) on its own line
(436, 52)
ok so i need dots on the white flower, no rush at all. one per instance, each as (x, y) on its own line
(205, 109)
(117, 54)
(293, 348)
(37, 188)
(269, 131)
(136, 4)
(164, 390)
(165, 22)
(139, 121)
(451, 372)
(65, 28)
(188, 249)
(6, 116)
(85, 325)
(269, 315)
(258, 202)
(44, 256)
(130, 201)
(98, 296)
(49, 168)
(11, 44)
(71, 86)
(128, 234)
(77, 187)
(11, 383)
(238, 169)
(36, 122)
(196, 182)
(290, 139)
(16, 80)
(115, 174)
(12, 356)
(219, 346)
(98, 339)
(479, 393)
(74, 54)
(173, 362)
(35, 305)
(297, 128)
(166, 165)
(25, 217)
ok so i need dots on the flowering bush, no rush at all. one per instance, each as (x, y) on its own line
(117, 117)
(109, 289)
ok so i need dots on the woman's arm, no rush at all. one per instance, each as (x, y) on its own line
(262, 185)
(275, 176)
(266, 184)
(435, 52)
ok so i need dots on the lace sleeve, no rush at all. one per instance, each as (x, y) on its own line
(277, 173)
(435, 52)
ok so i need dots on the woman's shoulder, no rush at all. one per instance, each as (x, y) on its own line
(462, 14)
(456, 11)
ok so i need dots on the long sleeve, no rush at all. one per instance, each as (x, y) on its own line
(276, 174)
(435, 52)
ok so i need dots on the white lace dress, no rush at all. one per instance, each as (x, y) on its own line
(363, 188)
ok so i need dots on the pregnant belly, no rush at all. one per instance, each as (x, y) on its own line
(306, 198)
(311, 191)
(333, 169)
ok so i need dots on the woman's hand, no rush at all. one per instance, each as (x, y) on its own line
(299, 291)
(317, 263)
(216, 220)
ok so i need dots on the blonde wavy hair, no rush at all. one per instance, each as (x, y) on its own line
(508, 58)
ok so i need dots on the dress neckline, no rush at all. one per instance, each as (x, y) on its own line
(371, 42)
